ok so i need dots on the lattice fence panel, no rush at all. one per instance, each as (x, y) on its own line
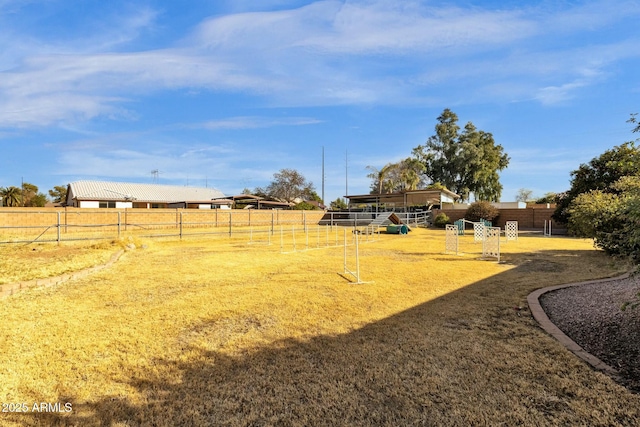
(451, 238)
(478, 231)
(491, 243)
(511, 230)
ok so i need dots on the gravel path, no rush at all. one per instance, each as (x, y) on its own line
(591, 316)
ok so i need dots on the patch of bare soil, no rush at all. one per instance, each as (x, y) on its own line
(592, 315)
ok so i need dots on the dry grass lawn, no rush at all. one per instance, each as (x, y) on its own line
(20, 262)
(220, 332)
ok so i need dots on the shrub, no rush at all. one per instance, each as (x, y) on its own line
(481, 210)
(305, 206)
(612, 220)
(441, 220)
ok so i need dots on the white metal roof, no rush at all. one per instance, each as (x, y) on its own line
(104, 190)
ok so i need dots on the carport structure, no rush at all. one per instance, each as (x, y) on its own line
(403, 200)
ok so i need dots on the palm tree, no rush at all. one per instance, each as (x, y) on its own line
(410, 171)
(11, 196)
(389, 186)
(410, 179)
(380, 175)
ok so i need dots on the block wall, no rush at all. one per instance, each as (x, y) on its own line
(32, 220)
(529, 218)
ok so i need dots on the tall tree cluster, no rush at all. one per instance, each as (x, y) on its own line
(465, 161)
(27, 195)
(603, 202)
(407, 174)
(600, 174)
(288, 185)
(58, 193)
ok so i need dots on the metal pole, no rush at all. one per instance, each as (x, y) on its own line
(118, 225)
(357, 261)
(345, 250)
(326, 229)
(293, 235)
(58, 227)
(180, 216)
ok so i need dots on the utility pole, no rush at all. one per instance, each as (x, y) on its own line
(346, 173)
(323, 201)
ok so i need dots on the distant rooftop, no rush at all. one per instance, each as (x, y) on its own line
(151, 193)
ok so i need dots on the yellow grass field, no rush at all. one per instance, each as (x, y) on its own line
(223, 332)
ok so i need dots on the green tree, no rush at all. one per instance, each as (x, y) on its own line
(338, 204)
(11, 196)
(634, 120)
(58, 193)
(611, 218)
(314, 196)
(31, 196)
(600, 174)
(410, 171)
(482, 159)
(305, 206)
(481, 210)
(436, 186)
(550, 197)
(441, 220)
(594, 212)
(288, 185)
(379, 176)
(464, 162)
(260, 192)
(407, 174)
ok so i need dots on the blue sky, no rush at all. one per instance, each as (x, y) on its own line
(226, 93)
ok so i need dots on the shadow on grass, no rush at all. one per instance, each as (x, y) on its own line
(471, 357)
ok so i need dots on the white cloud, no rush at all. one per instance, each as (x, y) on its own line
(325, 53)
(133, 157)
(256, 122)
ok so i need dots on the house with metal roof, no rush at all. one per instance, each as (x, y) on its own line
(105, 194)
(403, 200)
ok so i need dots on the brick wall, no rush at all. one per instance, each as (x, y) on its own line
(30, 220)
(528, 218)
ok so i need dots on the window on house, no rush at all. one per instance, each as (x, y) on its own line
(107, 204)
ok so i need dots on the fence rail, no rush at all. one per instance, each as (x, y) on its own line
(364, 218)
(47, 225)
(58, 225)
